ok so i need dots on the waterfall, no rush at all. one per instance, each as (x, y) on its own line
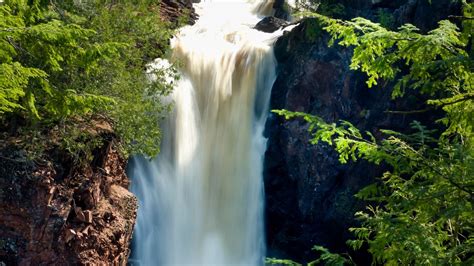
(201, 199)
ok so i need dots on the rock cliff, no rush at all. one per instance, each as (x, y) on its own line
(309, 194)
(57, 212)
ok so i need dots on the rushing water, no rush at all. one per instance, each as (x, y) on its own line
(201, 200)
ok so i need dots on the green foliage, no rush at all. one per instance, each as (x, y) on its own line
(385, 18)
(329, 259)
(331, 9)
(136, 25)
(61, 59)
(79, 144)
(35, 48)
(422, 209)
(14, 78)
(325, 258)
(280, 262)
(437, 61)
(75, 140)
(324, 7)
(312, 30)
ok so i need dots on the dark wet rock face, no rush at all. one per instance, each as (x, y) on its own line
(281, 10)
(309, 194)
(55, 213)
(425, 14)
(270, 24)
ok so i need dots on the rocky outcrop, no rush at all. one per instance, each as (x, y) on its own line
(56, 212)
(176, 11)
(309, 194)
(270, 24)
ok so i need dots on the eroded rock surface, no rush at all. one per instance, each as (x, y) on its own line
(56, 213)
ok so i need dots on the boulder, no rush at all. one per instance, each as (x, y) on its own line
(270, 24)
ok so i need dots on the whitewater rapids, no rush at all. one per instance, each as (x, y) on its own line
(201, 200)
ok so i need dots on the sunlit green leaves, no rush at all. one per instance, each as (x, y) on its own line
(281, 262)
(35, 52)
(422, 210)
(328, 258)
(438, 62)
(137, 26)
(60, 59)
(14, 81)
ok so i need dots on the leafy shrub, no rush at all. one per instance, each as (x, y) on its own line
(60, 59)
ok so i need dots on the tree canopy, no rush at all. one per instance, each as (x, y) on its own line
(77, 59)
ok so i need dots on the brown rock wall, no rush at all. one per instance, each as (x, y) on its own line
(85, 217)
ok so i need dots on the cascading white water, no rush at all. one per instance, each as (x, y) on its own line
(201, 200)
